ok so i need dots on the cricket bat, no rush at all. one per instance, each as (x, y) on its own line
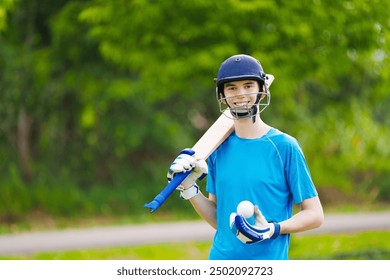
(213, 137)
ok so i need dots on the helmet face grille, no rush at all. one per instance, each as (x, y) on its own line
(246, 109)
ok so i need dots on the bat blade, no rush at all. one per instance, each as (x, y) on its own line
(213, 137)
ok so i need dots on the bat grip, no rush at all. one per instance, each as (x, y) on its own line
(167, 191)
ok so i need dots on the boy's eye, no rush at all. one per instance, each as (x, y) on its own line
(249, 85)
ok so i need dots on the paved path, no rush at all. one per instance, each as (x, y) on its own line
(74, 239)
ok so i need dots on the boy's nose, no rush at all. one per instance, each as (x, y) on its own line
(241, 91)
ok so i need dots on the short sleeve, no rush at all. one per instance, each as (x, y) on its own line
(297, 173)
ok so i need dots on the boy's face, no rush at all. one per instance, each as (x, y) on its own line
(241, 94)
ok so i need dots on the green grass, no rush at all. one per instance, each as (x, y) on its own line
(361, 246)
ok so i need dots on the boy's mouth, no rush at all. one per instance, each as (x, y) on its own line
(241, 104)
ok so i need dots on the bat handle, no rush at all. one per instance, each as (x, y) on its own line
(167, 191)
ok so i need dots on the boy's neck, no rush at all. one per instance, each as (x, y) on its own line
(246, 128)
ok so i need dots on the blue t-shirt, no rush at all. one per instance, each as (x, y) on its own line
(272, 173)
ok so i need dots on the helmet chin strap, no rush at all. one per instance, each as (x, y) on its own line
(255, 106)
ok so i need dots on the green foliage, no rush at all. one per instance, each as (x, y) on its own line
(15, 197)
(94, 94)
(60, 196)
(354, 146)
(5, 6)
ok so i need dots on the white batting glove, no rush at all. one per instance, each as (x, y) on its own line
(258, 232)
(185, 162)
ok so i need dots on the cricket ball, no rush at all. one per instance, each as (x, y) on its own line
(245, 208)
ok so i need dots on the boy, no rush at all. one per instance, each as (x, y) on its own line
(257, 163)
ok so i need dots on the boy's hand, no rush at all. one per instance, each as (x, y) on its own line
(185, 162)
(258, 232)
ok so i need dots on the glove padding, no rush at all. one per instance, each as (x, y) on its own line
(258, 232)
(185, 162)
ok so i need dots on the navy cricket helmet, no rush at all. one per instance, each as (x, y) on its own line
(239, 67)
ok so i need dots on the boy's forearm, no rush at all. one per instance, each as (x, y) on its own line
(206, 208)
(311, 216)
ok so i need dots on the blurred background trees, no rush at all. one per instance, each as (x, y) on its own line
(97, 97)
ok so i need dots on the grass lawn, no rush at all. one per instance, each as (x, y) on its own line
(361, 246)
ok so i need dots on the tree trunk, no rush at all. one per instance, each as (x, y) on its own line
(24, 125)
